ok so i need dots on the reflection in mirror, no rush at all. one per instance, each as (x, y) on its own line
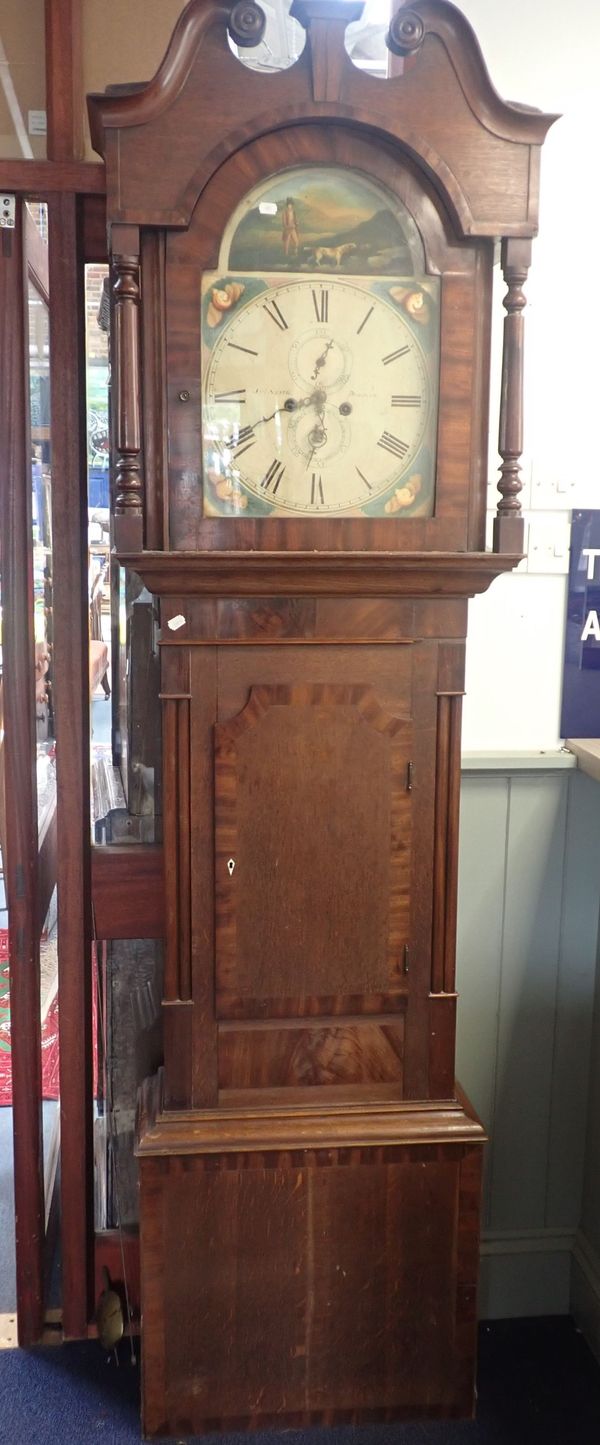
(22, 80)
(50, 1045)
(130, 1048)
(41, 515)
(124, 661)
(99, 601)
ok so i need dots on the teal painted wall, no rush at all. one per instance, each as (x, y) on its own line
(527, 949)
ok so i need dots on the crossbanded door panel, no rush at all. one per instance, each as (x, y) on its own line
(313, 867)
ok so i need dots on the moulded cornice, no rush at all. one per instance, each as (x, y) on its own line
(318, 574)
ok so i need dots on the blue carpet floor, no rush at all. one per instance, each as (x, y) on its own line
(538, 1385)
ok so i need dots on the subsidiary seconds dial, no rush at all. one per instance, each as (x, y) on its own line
(317, 399)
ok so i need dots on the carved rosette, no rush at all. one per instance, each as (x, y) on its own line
(406, 33)
(129, 484)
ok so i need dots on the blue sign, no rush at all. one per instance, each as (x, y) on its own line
(580, 716)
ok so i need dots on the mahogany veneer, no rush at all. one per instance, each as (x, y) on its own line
(337, 1254)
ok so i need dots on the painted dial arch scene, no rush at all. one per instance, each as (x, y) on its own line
(319, 395)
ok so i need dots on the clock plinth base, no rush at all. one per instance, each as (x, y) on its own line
(306, 1266)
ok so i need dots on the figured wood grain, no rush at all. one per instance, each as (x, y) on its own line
(332, 1053)
(232, 1006)
(360, 620)
(128, 893)
(377, 1316)
(318, 896)
(405, 682)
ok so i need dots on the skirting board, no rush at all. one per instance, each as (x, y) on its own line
(525, 1273)
(585, 1291)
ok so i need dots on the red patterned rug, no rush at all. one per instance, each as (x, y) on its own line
(50, 1051)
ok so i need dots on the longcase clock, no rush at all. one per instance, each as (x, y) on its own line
(302, 268)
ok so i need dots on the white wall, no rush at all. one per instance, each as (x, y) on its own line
(514, 656)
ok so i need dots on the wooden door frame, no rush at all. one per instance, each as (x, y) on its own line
(21, 867)
(72, 716)
(75, 235)
(75, 191)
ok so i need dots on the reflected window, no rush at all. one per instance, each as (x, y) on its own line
(22, 80)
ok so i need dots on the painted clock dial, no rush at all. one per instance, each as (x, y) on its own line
(319, 395)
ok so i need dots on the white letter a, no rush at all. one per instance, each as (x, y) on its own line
(592, 627)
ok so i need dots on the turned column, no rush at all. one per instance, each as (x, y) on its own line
(508, 524)
(128, 476)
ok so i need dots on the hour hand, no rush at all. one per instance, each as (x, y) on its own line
(288, 405)
(246, 433)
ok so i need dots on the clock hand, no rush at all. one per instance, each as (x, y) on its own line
(246, 431)
(317, 437)
(289, 405)
(321, 361)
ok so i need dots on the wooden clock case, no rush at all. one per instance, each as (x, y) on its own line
(310, 1174)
